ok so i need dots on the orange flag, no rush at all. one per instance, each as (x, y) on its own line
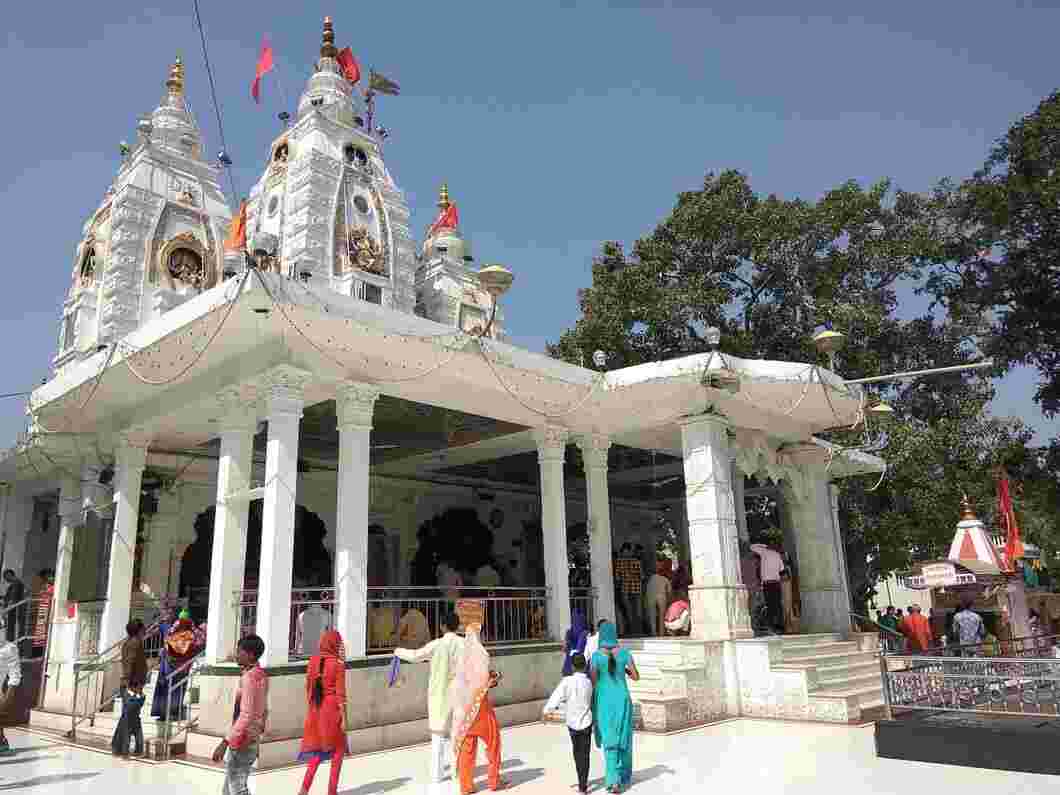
(449, 218)
(237, 233)
(264, 65)
(1007, 519)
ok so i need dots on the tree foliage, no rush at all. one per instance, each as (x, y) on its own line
(999, 249)
(768, 272)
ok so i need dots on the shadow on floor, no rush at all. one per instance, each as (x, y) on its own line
(524, 776)
(639, 776)
(377, 787)
(52, 779)
(506, 764)
(20, 758)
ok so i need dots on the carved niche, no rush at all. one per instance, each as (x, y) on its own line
(87, 269)
(364, 252)
(183, 259)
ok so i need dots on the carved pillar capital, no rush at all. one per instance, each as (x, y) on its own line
(354, 404)
(551, 443)
(283, 389)
(594, 448)
(131, 450)
(237, 407)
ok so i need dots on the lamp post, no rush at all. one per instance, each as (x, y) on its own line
(495, 280)
(829, 343)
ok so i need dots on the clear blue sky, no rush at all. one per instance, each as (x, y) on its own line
(556, 125)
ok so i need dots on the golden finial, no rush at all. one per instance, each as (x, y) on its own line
(967, 514)
(175, 81)
(443, 197)
(327, 47)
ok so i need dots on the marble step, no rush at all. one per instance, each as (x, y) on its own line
(818, 649)
(849, 683)
(789, 641)
(843, 672)
(830, 661)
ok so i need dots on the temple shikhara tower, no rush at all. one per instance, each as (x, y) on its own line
(155, 239)
(303, 411)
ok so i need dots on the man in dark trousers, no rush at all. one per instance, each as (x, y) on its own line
(133, 679)
(14, 617)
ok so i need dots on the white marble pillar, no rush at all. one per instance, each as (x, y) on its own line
(238, 421)
(284, 400)
(718, 600)
(131, 456)
(551, 446)
(354, 404)
(825, 601)
(594, 450)
(69, 521)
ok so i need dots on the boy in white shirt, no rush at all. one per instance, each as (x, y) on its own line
(575, 694)
(10, 679)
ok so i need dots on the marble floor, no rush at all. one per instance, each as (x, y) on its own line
(741, 756)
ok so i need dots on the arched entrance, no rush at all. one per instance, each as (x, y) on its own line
(312, 561)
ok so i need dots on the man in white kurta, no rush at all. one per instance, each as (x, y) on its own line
(443, 654)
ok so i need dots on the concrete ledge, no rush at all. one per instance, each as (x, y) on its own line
(1018, 744)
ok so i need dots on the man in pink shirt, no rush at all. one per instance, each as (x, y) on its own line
(248, 724)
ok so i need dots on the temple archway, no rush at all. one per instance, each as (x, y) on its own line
(312, 561)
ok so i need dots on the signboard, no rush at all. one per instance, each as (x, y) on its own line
(939, 575)
(471, 611)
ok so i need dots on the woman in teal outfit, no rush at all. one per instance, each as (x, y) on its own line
(613, 708)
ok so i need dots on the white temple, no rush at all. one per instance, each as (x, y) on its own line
(239, 431)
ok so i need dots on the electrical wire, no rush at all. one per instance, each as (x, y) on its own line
(216, 104)
(198, 356)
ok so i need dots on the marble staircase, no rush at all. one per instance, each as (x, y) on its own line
(99, 730)
(823, 677)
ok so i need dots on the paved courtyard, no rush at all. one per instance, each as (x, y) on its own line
(744, 755)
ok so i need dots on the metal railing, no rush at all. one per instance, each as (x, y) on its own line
(1021, 684)
(584, 600)
(23, 615)
(304, 603)
(398, 615)
(179, 705)
(96, 683)
(412, 614)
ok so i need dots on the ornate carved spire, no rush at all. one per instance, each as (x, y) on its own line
(327, 46)
(967, 512)
(175, 81)
(443, 197)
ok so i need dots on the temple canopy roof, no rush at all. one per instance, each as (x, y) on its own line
(164, 378)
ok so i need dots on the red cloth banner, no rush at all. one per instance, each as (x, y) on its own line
(1007, 519)
(264, 65)
(447, 219)
(351, 70)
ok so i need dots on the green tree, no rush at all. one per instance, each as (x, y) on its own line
(999, 247)
(768, 272)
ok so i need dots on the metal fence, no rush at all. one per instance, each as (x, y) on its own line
(408, 616)
(1009, 677)
(411, 615)
(310, 608)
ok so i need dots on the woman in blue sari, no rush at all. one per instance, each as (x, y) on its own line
(613, 708)
(575, 641)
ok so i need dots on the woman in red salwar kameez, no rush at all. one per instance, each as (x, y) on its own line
(324, 735)
(473, 715)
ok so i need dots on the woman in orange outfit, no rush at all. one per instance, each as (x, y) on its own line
(473, 715)
(324, 735)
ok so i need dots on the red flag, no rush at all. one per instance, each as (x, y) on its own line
(237, 233)
(1007, 519)
(351, 70)
(447, 219)
(264, 65)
